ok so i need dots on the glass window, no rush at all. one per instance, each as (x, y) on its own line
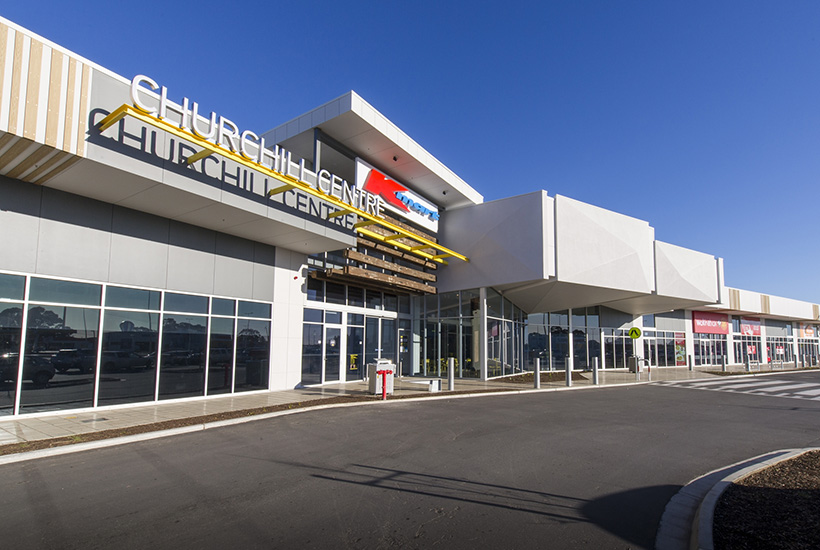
(335, 293)
(313, 315)
(12, 286)
(220, 356)
(559, 318)
(404, 304)
(186, 303)
(60, 358)
(315, 290)
(221, 306)
(11, 332)
(129, 357)
(252, 355)
(470, 303)
(182, 363)
(449, 304)
(312, 354)
(355, 296)
(431, 305)
(493, 303)
(648, 321)
(355, 319)
(374, 299)
(69, 292)
(578, 318)
(391, 302)
(254, 309)
(132, 298)
(334, 317)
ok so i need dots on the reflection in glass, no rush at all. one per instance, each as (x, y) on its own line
(333, 350)
(371, 340)
(129, 357)
(11, 331)
(220, 357)
(389, 344)
(12, 287)
(311, 354)
(50, 290)
(254, 309)
(222, 306)
(355, 346)
(132, 298)
(334, 293)
(186, 303)
(182, 363)
(60, 358)
(252, 355)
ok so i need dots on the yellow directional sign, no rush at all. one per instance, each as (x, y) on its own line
(634, 333)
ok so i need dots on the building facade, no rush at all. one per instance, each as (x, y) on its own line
(156, 252)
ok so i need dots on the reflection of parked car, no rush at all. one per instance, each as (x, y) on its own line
(220, 356)
(124, 360)
(83, 360)
(37, 369)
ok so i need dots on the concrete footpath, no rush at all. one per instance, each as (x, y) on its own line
(54, 424)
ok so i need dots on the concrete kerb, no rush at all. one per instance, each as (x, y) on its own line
(103, 443)
(687, 521)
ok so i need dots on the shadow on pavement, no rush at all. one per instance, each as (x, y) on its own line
(632, 515)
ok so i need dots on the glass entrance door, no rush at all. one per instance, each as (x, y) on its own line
(333, 353)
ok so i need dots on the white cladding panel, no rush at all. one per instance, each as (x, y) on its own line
(684, 273)
(507, 241)
(602, 248)
(786, 307)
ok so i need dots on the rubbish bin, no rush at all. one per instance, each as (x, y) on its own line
(634, 363)
(374, 381)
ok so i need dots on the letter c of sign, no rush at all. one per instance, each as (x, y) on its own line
(135, 86)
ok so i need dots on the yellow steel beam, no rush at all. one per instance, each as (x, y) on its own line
(365, 223)
(393, 237)
(282, 189)
(198, 156)
(340, 213)
(289, 181)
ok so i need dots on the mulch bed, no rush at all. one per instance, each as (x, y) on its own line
(775, 508)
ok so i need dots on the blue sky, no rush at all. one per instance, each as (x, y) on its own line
(702, 118)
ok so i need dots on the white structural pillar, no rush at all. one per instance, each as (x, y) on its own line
(570, 344)
(482, 345)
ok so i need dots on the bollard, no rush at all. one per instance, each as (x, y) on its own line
(637, 370)
(537, 377)
(384, 382)
(451, 373)
(595, 371)
(748, 364)
(689, 360)
(648, 370)
(568, 370)
(723, 362)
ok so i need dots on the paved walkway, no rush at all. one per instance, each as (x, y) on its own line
(60, 423)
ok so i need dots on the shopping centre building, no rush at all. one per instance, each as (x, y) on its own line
(155, 251)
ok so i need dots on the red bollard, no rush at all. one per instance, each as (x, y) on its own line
(384, 374)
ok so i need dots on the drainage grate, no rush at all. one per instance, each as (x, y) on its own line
(93, 420)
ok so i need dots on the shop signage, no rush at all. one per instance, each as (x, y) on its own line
(224, 133)
(749, 327)
(705, 322)
(751, 350)
(807, 331)
(397, 198)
